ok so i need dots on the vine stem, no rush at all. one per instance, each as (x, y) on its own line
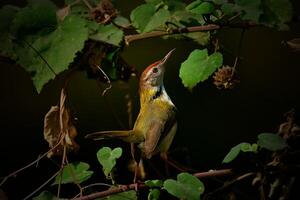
(124, 188)
(209, 27)
(43, 185)
(13, 174)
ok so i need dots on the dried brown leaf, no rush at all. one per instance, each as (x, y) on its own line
(58, 127)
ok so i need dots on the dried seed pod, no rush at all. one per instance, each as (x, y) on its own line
(104, 12)
(225, 78)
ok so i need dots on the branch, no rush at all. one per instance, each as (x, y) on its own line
(209, 27)
(124, 188)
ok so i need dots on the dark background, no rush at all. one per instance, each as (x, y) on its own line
(211, 121)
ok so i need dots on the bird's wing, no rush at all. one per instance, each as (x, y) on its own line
(157, 130)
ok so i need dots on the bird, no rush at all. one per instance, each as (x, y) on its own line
(156, 124)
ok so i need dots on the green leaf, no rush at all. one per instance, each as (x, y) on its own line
(246, 147)
(254, 148)
(154, 183)
(199, 66)
(229, 8)
(45, 195)
(233, 153)
(219, 2)
(186, 187)
(7, 14)
(175, 5)
(274, 15)
(37, 15)
(145, 18)
(129, 195)
(201, 38)
(200, 7)
(157, 20)
(252, 9)
(193, 5)
(141, 15)
(71, 33)
(107, 158)
(154, 194)
(116, 153)
(122, 21)
(284, 15)
(109, 34)
(74, 173)
(271, 141)
(249, 10)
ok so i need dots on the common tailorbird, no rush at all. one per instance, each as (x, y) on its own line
(156, 125)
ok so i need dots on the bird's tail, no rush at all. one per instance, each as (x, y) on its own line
(123, 135)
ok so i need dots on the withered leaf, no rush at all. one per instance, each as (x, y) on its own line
(58, 128)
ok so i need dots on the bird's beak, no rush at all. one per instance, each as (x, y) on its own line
(166, 58)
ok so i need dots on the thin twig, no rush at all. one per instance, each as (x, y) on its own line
(111, 108)
(125, 188)
(13, 174)
(87, 4)
(107, 79)
(239, 52)
(41, 186)
(226, 185)
(61, 167)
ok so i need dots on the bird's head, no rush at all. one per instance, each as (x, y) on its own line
(153, 75)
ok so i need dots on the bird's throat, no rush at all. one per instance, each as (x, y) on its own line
(152, 94)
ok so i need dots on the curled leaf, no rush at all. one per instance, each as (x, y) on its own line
(58, 126)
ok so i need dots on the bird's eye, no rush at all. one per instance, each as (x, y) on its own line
(155, 70)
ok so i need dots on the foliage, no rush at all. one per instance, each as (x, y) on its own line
(154, 183)
(36, 39)
(270, 141)
(46, 41)
(107, 158)
(109, 34)
(198, 67)
(74, 173)
(154, 194)
(242, 147)
(186, 187)
(36, 35)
